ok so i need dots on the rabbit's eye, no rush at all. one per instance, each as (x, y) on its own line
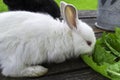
(89, 43)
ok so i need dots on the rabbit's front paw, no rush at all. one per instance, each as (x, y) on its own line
(34, 71)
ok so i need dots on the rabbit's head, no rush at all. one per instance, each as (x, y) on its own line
(83, 35)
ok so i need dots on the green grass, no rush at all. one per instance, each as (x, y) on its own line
(80, 4)
(3, 7)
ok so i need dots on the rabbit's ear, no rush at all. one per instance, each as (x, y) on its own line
(62, 6)
(71, 16)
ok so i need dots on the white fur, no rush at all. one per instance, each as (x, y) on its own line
(28, 38)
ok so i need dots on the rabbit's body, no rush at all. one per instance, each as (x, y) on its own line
(12, 19)
(47, 39)
(28, 39)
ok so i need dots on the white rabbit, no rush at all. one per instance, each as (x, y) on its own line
(27, 39)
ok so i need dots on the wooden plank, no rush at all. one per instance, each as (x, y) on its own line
(87, 14)
(68, 65)
(82, 74)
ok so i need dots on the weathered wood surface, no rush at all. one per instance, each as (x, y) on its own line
(73, 69)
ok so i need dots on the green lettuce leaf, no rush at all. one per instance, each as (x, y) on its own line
(106, 56)
(100, 56)
(100, 69)
(114, 71)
